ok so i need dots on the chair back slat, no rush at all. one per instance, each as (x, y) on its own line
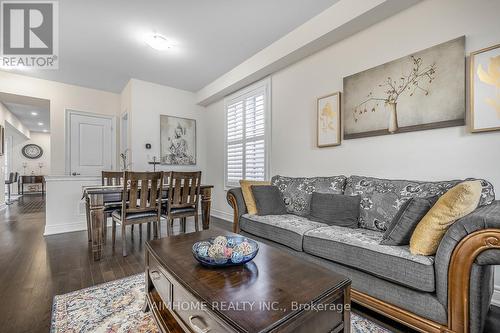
(144, 191)
(184, 189)
(111, 178)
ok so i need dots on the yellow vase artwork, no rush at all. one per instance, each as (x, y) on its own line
(491, 76)
(327, 118)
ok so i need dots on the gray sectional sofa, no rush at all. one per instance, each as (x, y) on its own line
(450, 291)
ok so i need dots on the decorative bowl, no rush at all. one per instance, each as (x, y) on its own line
(224, 251)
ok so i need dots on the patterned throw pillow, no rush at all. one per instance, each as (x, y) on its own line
(381, 199)
(297, 192)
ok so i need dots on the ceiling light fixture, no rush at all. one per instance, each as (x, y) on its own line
(40, 124)
(159, 42)
(45, 131)
(34, 113)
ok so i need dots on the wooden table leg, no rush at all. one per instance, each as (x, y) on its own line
(97, 217)
(206, 202)
(87, 213)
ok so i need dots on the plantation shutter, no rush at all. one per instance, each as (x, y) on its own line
(246, 136)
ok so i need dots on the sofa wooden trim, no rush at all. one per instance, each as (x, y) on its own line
(231, 200)
(398, 314)
(462, 259)
(464, 255)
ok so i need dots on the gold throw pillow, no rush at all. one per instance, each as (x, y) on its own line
(248, 195)
(451, 206)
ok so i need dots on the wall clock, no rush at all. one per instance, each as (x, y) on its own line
(32, 151)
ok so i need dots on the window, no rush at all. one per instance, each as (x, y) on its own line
(247, 134)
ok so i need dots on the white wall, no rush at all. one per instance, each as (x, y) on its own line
(148, 101)
(61, 96)
(426, 155)
(15, 123)
(32, 166)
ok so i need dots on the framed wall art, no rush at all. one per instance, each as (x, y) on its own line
(421, 91)
(328, 120)
(485, 89)
(177, 140)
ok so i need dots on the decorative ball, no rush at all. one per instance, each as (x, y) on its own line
(220, 240)
(216, 251)
(228, 252)
(202, 250)
(231, 242)
(236, 257)
(244, 247)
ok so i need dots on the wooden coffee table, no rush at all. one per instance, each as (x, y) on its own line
(276, 292)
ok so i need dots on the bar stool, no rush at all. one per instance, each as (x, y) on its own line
(12, 179)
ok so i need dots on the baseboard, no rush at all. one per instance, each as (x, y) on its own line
(62, 228)
(495, 300)
(222, 215)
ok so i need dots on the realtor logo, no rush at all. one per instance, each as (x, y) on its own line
(29, 35)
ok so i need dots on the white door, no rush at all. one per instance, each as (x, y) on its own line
(91, 144)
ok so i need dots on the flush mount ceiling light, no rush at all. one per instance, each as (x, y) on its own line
(40, 124)
(34, 113)
(159, 42)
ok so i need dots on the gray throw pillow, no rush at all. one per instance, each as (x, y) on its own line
(404, 223)
(335, 209)
(268, 200)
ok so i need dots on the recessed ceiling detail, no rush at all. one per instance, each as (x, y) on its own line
(30, 111)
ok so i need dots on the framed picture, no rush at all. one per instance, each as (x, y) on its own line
(421, 91)
(328, 120)
(177, 140)
(2, 140)
(485, 89)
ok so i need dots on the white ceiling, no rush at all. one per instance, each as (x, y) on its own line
(102, 46)
(22, 106)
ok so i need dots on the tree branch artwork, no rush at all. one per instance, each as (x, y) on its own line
(410, 83)
(124, 157)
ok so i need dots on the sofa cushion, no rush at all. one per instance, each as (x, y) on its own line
(268, 200)
(458, 202)
(381, 199)
(297, 192)
(404, 223)
(335, 209)
(360, 248)
(248, 194)
(286, 229)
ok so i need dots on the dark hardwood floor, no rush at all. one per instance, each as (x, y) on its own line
(34, 268)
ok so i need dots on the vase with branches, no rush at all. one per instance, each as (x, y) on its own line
(124, 160)
(410, 83)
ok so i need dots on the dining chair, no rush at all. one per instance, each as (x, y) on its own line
(111, 178)
(141, 203)
(183, 199)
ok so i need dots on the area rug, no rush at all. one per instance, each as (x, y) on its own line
(116, 307)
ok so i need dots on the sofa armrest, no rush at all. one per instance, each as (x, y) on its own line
(471, 241)
(237, 202)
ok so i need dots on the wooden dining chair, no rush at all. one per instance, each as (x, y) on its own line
(141, 203)
(111, 178)
(183, 199)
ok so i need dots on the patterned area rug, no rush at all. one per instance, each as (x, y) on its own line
(116, 307)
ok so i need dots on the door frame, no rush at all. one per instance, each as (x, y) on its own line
(68, 112)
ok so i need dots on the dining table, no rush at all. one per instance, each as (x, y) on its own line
(96, 198)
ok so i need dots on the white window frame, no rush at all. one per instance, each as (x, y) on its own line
(265, 85)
